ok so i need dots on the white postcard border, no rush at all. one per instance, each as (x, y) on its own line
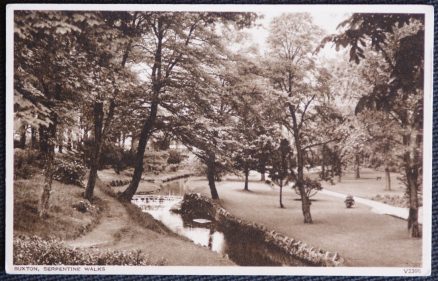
(227, 270)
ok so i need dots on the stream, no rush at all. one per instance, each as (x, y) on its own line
(242, 248)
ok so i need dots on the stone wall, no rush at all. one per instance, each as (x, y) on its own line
(282, 249)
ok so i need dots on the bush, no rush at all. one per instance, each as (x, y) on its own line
(69, 171)
(117, 158)
(36, 251)
(311, 187)
(175, 157)
(349, 201)
(26, 163)
(401, 201)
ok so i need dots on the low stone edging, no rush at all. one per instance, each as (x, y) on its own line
(116, 183)
(197, 205)
(177, 177)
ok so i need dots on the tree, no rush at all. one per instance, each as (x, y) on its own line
(281, 171)
(301, 85)
(255, 130)
(44, 89)
(107, 45)
(175, 43)
(401, 95)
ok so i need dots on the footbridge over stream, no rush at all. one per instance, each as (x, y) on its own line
(147, 202)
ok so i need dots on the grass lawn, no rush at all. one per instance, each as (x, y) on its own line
(367, 186)
(63, 222)
(360, 236)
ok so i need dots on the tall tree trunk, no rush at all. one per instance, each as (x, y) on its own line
(323, 173)
(47, 137)
(387, 179)
(143, 140)
(305, 202)
(149, 123)
(134, 143)
(413, 224)
(357, 164)
(246, 179)
(47, 187)
(101, 130)
(23, 137)
(69, 139)
(123, 140)
(281, 194)
(33, 138)
(211, 171)
(412, 165)
(339, 173)
(262, 168)
(94, 162)
(43, 144)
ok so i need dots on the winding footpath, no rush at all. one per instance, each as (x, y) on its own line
(112, 222)
(378, 207)
(118, 231)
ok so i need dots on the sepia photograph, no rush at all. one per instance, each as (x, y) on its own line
(219, 139)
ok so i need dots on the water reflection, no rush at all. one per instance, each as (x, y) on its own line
(202, 232)
(175, 187)
(243, 246)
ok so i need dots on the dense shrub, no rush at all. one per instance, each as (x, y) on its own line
(401, 201)
(69, 170)
(26, 162)
(311, 187)
(36, 251)
(175, 157)
(118, 158)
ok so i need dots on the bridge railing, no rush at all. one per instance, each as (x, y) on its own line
(154, 199)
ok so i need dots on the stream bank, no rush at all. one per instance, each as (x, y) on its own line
(120, 229)
(249, 243)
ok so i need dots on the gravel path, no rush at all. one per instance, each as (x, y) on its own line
(378, 207)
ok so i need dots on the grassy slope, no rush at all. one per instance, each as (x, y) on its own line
(363, 238)
(116, 227)
(125, 227)
(63, 222)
